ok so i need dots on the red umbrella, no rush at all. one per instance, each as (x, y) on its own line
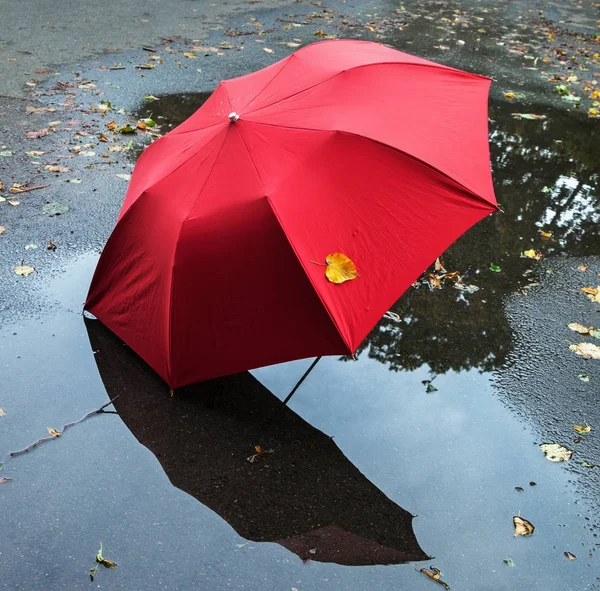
(343, 147)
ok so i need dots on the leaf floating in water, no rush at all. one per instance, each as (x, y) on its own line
(522, 526)
(587, 350)
(570, 556)
(23, 270)
(555, 452)
(429, 387)
(586, 429)
(340, 268)
(579, 328)
(593, 293)
(509, 561)
(54, 432)
(434, 574)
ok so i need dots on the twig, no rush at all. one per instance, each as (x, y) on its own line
(27, 189)
(44, 439)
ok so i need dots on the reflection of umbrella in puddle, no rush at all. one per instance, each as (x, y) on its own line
(305, 496)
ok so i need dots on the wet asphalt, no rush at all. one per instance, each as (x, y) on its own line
(307, 515)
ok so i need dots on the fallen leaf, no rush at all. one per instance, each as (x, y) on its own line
(587, 350)
(54, 432)
(546, 190)
(579, 328)
(292, 44)
(545, 234)
(56, 168)
(14, 202)
(54, 123)
(509, 95)
(2, 412)
(54, 208)
(586, 464)
(75, 181)
(125, 177)
(51, 245)
(35, 153)
(151, 98)
(519, 489)
(340, 268)
(23, 270)
(584, 377)
(532, 254)
(87, 154)
(40, 109)
(434, 281)
(320, 33)
(509, 561)
(30, 246)
(3, 480)
(529, 116)
(434, 574)
(111, 125)
(6, 153)
(582, 267)
(102, 138)
(141, 125)
(2, 229)
(32, 135)
(438, 266)
(593, 293)
(126, 129)
(586, 429)
(522, 526)
(429, 387)
(495, 268)
(570, 556)
(267, 50)
(555, 452)
(595, 332)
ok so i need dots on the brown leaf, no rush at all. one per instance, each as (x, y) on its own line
(32, 135)
(582, 267)
(593, 293)
(433, 280)
(102, 138)
(56, 168)
(522, 526)
(111, 125)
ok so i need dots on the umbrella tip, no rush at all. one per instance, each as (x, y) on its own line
(233, 117)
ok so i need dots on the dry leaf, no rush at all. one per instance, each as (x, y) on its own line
(3, 480)
(24, 270)
(40, 109)
(32, 135)
(593, 293)
(115, 148)
(434, 575)
(35, 153)
(111, 125)
(2, 412)
(190, 55)
(14, 202)
(2, 229)
(545, 234)
(522, 526)
(555, 452)
(434, 281)
(582, 267)
(267, 50)
(532, 254)
(125, 177)
(586, 350)
(570, 556)
(340, 268)
(439, 266)
(581, 430)
(579, 328)
(54, 432)
(56, 168)
(102, 138)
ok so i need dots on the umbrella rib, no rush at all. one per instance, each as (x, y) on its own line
(404, 153)
(351, 69)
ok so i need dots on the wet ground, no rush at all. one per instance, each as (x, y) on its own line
(166, 486)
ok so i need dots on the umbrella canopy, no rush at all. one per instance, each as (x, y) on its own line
(344, 146)
(306, 496)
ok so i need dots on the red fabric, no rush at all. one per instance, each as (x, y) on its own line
(345, 146)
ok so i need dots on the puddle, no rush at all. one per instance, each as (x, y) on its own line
(360, 451)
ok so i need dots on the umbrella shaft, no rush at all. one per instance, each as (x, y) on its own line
(299, 383)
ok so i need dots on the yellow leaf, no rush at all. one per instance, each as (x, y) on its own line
(582, 267)
(581, 430)
(2, 229)
(434, 281)
(579, 328)
(340, 268)
(24, 270)
(509, 95)
(320, 33)
(587, 350)
(592, 292)
(439, 266)
(532, 254)
(545, 234)
(522, 526)
(106, 563)
(54, 432)
(190, 55)
(555, 452)
(593, 112)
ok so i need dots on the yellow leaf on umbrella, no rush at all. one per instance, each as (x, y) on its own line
(340, 268)
(532, 254)
(522, 526)
(586, 429)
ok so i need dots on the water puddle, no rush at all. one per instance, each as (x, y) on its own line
(364, 447)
